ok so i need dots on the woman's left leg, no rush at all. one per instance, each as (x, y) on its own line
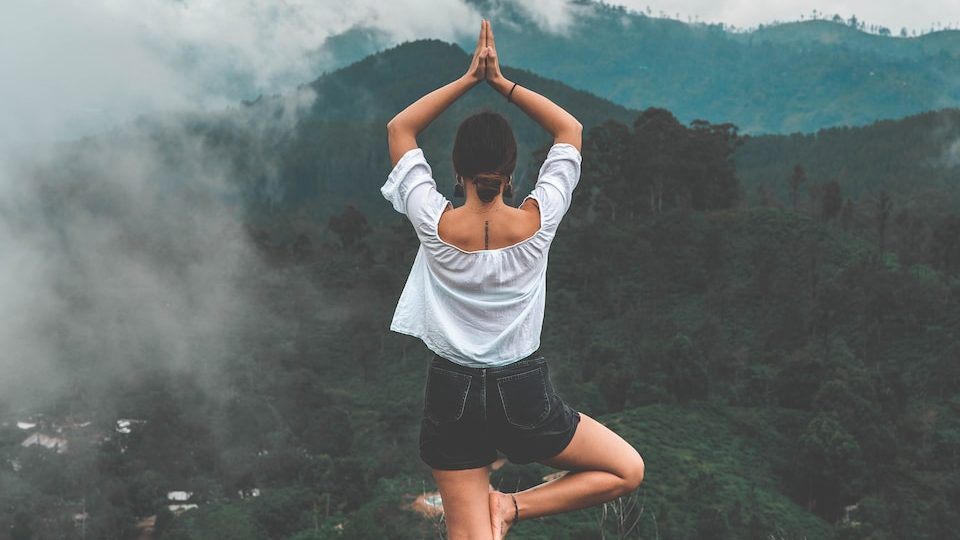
(466, 502)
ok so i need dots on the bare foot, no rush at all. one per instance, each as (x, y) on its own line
(502, 513)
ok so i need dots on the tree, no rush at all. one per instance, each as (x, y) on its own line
(660, 164)
(608, 146)
(945, 248)
(850, 394)
(217, 520)
(884, 207)
(798, 378)
(706, 167)
(686, 370)
(831, 200)
(798, 177)
(846, 214)
(613, 381)
(829, 466)
(656, 133)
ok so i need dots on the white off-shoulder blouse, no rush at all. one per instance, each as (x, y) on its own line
(477, 308)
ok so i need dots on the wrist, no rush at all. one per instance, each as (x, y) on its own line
(501, 84)
(470, 81)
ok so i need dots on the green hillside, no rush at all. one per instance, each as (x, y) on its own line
(782, 78)
(788, 369)
(916, 159)
(843, 34)
(704, 72)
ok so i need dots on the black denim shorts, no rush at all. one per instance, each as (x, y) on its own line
(471, 413)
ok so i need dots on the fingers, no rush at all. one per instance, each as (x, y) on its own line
(483, 45)
(489, 37)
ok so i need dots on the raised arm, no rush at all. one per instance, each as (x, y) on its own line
(564, 127)
(402, 130)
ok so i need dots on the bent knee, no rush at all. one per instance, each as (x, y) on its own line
(633, 475)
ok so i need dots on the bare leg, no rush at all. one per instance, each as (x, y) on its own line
(603, 467)
(466, 508)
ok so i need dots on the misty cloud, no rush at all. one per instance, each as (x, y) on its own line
(125, 252)
(747, 13)
(81, 67)
(113, 258)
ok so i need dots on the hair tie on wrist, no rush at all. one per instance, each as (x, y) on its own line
(511, 93)
(516, 515)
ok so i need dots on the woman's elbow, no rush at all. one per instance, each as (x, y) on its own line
(571, 134)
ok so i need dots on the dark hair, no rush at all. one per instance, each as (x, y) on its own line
(486, 151)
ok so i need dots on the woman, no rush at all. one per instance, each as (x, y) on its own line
(475, 296)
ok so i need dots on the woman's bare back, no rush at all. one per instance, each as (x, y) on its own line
(501, 227)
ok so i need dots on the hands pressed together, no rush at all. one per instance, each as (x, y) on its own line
(484, 66)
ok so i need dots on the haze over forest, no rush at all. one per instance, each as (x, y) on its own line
(757, 284)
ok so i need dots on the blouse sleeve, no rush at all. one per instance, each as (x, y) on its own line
(556, 181)
(412, 191)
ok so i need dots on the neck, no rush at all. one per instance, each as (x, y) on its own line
(474, 203)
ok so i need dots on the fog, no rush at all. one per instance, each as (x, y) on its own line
(81, 67)
(122, 253)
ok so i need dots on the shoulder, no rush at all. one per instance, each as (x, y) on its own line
(522, 222)
(448, 219)
(528, 214)
(530, 206)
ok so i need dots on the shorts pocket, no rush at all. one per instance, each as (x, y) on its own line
(445, 395)
(525, 398)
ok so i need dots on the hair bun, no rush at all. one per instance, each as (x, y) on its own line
(488, 185)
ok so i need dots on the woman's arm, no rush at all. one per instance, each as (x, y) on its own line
(402, 130)
(564, 127)
(558, 122)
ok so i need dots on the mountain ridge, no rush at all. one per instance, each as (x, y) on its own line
(780, 78)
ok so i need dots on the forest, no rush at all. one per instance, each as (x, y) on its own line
(777, 335)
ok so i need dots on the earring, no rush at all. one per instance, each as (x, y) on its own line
(458, 189)
(508, 188)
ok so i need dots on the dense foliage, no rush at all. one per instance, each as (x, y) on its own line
(786, 371)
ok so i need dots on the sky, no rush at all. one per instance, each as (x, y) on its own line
(749, 13)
